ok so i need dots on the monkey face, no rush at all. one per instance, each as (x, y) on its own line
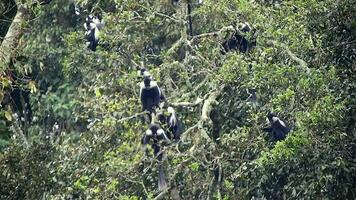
(147, 81)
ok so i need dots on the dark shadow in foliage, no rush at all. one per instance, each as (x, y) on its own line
(215, 117)
(18, 99)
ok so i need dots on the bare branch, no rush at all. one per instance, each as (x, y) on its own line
(162, 14)
(161, 195)
(216, 33)
(12, 37)
(188, 104)
(301, 62)
(208, 106)
(201, 84)
(15, 31)
(132, 117)
(294, 57)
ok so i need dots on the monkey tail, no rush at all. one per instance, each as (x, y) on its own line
(190, 18)
(162, 184)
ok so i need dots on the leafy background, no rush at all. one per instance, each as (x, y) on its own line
(82, 143)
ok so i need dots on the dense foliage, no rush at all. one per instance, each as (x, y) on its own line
(83, 139)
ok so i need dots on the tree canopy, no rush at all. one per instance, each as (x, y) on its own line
(71, 119)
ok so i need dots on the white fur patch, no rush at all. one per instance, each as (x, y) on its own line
(96, 20)
(146, 74)
(172, 120)
(152, 84)
(92, 26)
(170, 110)
(160, 131)
(275, 119)
(148, 132)
(96, 34)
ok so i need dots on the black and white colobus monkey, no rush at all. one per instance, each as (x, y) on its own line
(75, 12)
(76, 9)
(277, 127)
(92, 26)
(150, 94)
(174, 125)
(157, 135)
(239, 42)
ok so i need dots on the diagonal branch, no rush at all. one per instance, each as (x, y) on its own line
(12, 37)
(216, 33)
(301, 62)
(294, 57)
(11, 40)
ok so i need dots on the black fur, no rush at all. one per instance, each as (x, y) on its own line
(157, 136)
(239, 42)
(150, 95)
(174, 127)
(276, 128)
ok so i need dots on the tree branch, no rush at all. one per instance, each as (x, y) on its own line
(133, 116)
(294, 57)
(301, 62)
(15, 31)
(12, 37)
(216, 33)
(208, 106)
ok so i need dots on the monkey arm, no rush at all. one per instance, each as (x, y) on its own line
(143, 99)
(267, 129)
(156, 96)
(145, 139)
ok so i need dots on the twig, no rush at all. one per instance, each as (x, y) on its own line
(133, 116)
(161, 195)
(216, 33)
(161, 14)
(187, 104)
(201, 84)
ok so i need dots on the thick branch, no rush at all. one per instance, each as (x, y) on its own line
(17, 130)
(294, 57)
(188, 104)
(208, 106)
(301, 62)
(12, 37)
(16, 30)
(216, 33)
